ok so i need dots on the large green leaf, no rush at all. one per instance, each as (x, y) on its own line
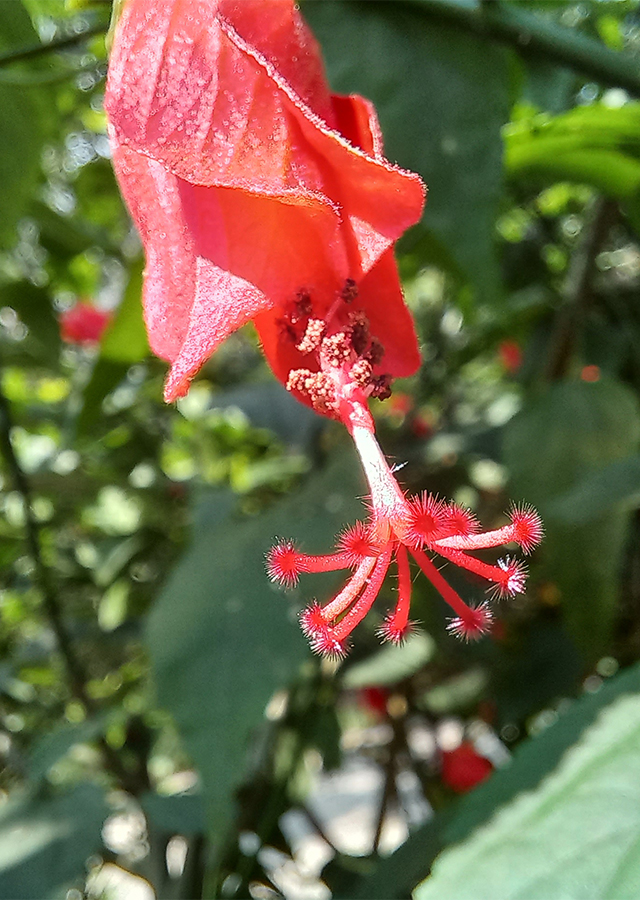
(568, 434)
(534, 759)
(24, 125)
(442, 97)
(44, 843)
(615, 484)
(577, 837)
(592, 144)
(222, 640)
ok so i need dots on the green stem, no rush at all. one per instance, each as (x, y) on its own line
(36, 50)
(577, 290)
(531, 33)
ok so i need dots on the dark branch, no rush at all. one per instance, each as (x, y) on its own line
(533, 34)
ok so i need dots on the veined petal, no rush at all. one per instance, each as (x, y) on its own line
(153, 197)
(236, 121)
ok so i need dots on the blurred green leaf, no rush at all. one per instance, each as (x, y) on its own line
(616, 484)
(33, 306)
(125, 340)
(575, 838)
(44, 843)
(176, 814)
(53, 746)
(25, 124)
(443, 120)
(392, 663)
(222, 640)
(593, 144)
(569, 433)
(124, 343)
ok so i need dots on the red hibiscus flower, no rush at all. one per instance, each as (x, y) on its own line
(259, 195)
(84, 323)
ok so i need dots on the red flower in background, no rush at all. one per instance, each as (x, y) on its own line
(259, 195)
(464, 768)
(84, 323)
(510, 354)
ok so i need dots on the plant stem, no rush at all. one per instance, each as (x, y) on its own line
(577, 290)
(532, 34)
(32, 540)
(36, 50)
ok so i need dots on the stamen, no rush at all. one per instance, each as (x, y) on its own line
(350, 291)
(313, 335)
(336, 349)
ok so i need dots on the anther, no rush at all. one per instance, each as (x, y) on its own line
(303, 306)
(313, 335)
(336, 349)
(359, 332)
(350, 291)
(381, 387)
(361, 372)
(298, 379)
(375, 352)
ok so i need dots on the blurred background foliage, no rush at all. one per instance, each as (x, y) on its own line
(164, 729)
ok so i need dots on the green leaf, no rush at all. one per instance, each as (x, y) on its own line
(124, 343)
(594, 144)
(392, 663)
(51, 747)
(395, 876)
(442, 97)
(577, 837)
(24, 126)
(44, 843)
(222, 640)
(175, 814)
(568, 434)
(615, 484)
(33, 305)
